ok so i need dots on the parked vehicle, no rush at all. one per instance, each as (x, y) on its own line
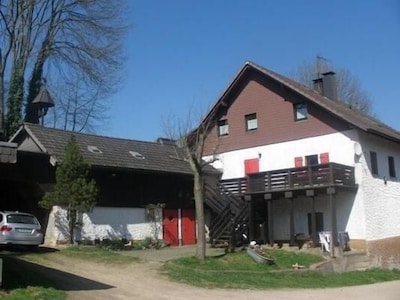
(17, 228)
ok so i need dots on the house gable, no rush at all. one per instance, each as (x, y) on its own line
(29, 145)
(273, 96)
(273, 106)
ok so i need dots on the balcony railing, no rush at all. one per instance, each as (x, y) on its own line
(323, 175)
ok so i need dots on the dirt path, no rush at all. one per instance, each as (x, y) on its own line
(85, 280)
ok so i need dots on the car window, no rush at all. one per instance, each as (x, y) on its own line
(1, 218)
(21, 219)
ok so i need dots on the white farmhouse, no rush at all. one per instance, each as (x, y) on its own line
(306, 164)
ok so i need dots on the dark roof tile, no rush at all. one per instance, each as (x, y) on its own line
(114, 151)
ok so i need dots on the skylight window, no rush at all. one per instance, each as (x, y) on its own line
(94, 149)
(136, 155)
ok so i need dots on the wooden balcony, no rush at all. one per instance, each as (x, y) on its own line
(310, 177)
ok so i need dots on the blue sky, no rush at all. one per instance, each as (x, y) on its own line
(182, 54)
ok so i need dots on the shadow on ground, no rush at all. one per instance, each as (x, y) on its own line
(15, 250)
(18, 273)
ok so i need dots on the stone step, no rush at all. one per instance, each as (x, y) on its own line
(356, 261)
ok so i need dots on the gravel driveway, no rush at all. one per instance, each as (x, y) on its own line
(86, 280)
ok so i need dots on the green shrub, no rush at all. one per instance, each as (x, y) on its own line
(115, 244)
(148, 243)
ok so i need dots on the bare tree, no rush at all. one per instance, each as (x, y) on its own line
(348, 87)
(60, 39)
(17, 35)
(191, 138)
(80, 107)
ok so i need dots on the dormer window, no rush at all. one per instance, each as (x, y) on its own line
(300, 111)
(223, 128)
(94, 149)
(136, 155)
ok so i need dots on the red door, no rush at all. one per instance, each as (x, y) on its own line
(170, 226)
(188, 227)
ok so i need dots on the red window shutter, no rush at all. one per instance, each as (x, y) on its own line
(324, 158)
(251, 166)
(298, 162)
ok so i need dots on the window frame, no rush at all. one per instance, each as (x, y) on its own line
(223, 124)
(309, 158)
(250, 119)
(299, 110)
(392, 167)
(373, 156)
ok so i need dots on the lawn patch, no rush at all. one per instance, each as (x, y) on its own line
(239, 271)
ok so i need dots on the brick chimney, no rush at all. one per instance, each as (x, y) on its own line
(326, 85)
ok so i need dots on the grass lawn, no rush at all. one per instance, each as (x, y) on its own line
(234, 270)
(96, 254)
(237, 270)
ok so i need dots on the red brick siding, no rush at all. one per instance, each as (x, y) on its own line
(275, 119)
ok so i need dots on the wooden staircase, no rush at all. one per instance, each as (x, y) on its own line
(230, 213)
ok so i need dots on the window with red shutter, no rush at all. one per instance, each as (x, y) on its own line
(251, 166)
(298, 162)
(324, 158)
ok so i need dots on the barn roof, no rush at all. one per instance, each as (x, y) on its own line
(102, 151)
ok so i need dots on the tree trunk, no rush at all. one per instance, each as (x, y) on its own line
(31, 112)
(15, 100)
(71, 225)
(199, 203)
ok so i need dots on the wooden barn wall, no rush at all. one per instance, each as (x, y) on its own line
(125, 189)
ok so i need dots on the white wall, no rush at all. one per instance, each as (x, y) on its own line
(340, 147)
(303, 206)
(372, 213)
(381, 201)
(102, 223)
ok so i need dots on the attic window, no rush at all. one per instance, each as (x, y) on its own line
(223, 128)
(136, 155)
(94, 149)
(251, 122)
(300, 111)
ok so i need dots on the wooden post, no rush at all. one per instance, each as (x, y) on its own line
(251, 217)
(270, 217)
(292, 241)
(331, 192)
(289, 195)
(314, 236)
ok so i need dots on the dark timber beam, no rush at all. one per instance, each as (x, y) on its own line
(331, 192)
(270, 220)
(251, 217)
(289, 195)
(314, 236)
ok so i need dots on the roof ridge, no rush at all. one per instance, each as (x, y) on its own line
(27, 125)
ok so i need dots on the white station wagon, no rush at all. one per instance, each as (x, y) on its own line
(17, 228)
